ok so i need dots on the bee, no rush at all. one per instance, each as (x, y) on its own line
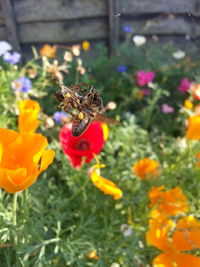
(83, 109)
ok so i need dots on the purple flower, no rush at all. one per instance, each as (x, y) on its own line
(58, 116)
(144, 77)
(147, 91)
(127, 29)
(167, 109)
(22, 84)
(11, 58)
(122, 68)
(184, 85)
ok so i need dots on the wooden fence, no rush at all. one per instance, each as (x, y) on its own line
(71, 21)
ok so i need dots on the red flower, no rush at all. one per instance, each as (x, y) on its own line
(86, 145)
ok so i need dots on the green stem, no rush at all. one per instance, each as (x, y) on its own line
(15, 209)
(15, 239)
(151, 109)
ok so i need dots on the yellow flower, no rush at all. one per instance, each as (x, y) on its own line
(105, 131)
(193, 129)
(92, 255)
(48, 51)
(86, 45)
(105, 185)
(28, 113)
(147, 169)
(23, 156)
(188, 104)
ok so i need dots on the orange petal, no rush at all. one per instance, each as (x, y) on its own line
(11, 180)
(187, 234)
(163, 260)
(46, 160)
(193, 130)
(146, 168)
(157, 235)
(186, 260)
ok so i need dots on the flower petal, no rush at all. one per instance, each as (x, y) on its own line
(46, 160)
(105, 185)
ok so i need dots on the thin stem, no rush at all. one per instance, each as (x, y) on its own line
(15, 209)
(15, 239)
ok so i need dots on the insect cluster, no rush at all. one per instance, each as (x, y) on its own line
(84, 109)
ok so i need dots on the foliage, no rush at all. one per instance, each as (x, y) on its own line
(63, 216)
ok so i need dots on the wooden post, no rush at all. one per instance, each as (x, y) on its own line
(10, 25)
(114, 16)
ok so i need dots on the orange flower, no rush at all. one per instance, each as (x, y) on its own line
(22, 158)
(86, 45)
(105, 185)
(172, 202)
(146, 169)
(185, 237)
(48, 51)
(28, 113)
(196, 91)
(193, 129)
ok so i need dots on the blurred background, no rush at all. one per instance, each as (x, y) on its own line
(24, 23)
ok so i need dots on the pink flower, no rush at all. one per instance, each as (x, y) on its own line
(143, 78)
(184, 85)
(167, 109)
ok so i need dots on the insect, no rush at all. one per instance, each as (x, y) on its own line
(84, 109)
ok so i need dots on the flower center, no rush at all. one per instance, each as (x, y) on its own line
(83, 145)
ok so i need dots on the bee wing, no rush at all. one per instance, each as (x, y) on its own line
(105, 119)
(79, 126)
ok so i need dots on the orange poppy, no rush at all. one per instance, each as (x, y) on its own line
(171, 202)
(105, 185)
(193, 129)
(147, 169)
(22, 158)
(48, 51)
(28, 113)
(185, 237)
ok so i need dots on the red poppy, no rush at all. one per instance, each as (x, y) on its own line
(86, 145)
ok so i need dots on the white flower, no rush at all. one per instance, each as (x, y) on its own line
(179, 54)
(139, 40)
(126, 230)
(4, 47)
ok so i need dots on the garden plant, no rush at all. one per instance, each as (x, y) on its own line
(117, 195)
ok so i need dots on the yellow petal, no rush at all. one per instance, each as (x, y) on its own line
(105, 185)
(46, 160)
(28, 113)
